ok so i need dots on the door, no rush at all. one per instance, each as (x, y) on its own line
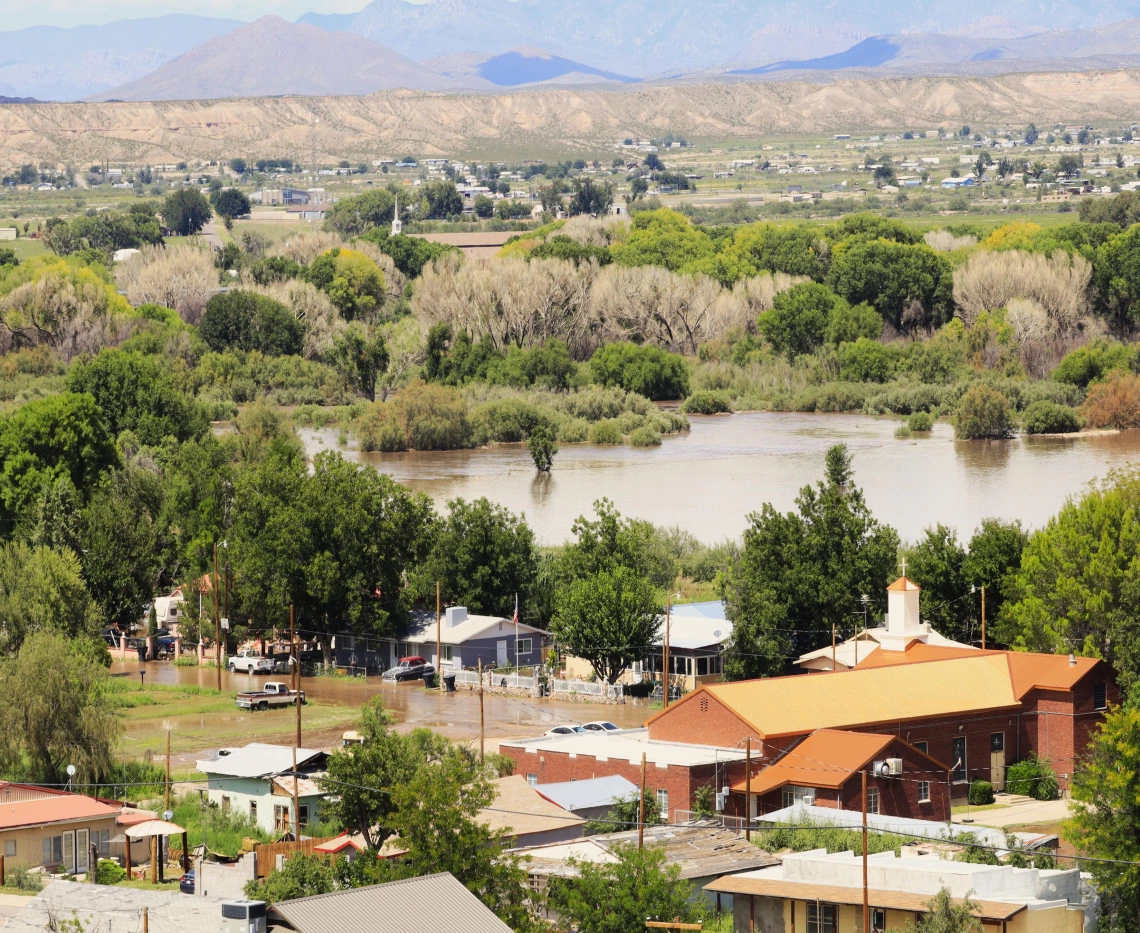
(959, 771)
(501, 652)
(997, 760)
(68, 862)
(82, 851)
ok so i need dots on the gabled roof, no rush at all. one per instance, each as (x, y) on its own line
(423, 629)
(826, 758)
(799, 703)
(593, 792)
(903, 585)
(58, 808)
(520, 809)
(1027, 670)
(258, 760)
(428, 904)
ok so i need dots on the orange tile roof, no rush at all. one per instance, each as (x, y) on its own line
(1027, 670)
(902, 585)
(799, 704)
(59, 809)
(826, 758)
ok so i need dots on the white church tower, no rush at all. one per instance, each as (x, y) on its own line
(903, 624)
(397, 224)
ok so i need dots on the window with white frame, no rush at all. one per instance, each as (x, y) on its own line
(446, 650)
(280, 818)
(524, 646)
(663, 803)
(532, 780)
(924, 792)
(822, 918)
(872, 800)
(793, 795)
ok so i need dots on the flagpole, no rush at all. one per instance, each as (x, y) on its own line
(516, 636)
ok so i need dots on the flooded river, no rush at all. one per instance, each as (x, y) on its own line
(707, 481)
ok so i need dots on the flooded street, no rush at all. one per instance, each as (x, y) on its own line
(707, 481)
(455, 715)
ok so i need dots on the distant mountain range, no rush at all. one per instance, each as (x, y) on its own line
(479, 45)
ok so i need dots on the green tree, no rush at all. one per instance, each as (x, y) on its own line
(185, 211)
(358, 215)
(1078, 585)
(847, 323)
(542, 448)
(798, 320)
(802, 572)
(482, 555)
(663, 238)
(229, 203)
(334, 542)
(609, 541)
(301, 876)
(994, 554)
(360, 355)
(866, 360)
(625, 813)
(937, 564)
(648, 371)
(983, 413)
(238, 166)
(56, 711)
(610, 618)
(1116, 274)
(484, 206)
(944, 916)
(42, 590)
(1104, 820)
(136, 392)
(443, 200)
(360, 778)
(910, 285)
(619, 897)
(590, 198)
(245, 320)
(43, 440)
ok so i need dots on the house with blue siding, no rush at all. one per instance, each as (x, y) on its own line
(256, 782)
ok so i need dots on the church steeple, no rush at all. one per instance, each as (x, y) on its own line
(397, 224)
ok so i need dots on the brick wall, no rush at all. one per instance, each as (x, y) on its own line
(701, 717)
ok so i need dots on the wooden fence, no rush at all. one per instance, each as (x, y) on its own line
(266, 853)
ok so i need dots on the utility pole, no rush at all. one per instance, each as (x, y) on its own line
(866, 909)
(296, 674)
(641, 808)
(296, 808)
(482, 740)
(167, 807)
(217, 623)
(438, 649)
(983, 618)
(665, 653)
(833, 646)
(748, 788)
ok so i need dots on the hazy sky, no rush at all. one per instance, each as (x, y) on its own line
(21, 13)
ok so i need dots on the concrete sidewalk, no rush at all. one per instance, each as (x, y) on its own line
(1031, 811)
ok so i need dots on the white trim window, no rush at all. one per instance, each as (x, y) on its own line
(663, 803)
(525, 646)
(793, 795)
(924, 792)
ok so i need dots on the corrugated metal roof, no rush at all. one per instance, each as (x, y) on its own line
(628, 745)
(799, 703)
(429, 904)
(54, 809)
(593, 792)
(257, 760)
(709, 610)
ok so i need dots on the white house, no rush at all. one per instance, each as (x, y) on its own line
(257, 782)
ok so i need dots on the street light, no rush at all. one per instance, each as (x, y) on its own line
(70, 775)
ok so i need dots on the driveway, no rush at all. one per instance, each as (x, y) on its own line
(1031, 811)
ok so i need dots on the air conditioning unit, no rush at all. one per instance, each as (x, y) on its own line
(889, 767)
(720, 801)
(243, 916)
(809, 800)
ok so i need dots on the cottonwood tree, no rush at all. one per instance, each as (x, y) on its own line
(360, 355)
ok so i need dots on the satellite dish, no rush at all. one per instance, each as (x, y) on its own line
(71, 770)
(168, 815)
(716, 633)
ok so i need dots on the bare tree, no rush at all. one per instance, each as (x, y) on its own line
(181, 277)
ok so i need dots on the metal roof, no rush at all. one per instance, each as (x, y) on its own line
(428, 904)
(593, 792)
(423, 628)
(258, 760)
(520, 809)
(709, 610)
(796, 704)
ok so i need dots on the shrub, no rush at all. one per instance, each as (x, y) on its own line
(19, 877)
(981, 793)
(1092, 362)
(648, 371)
(606, 432)
(645, 436)
(423, 416)
(902, 431)
(248, 321)
(1050, 418)
(983, 412)
(920, 421)
(574, 431)
(865, 360)
(707, 402)
(1114, 404)
(1031, 777)
(108, 872)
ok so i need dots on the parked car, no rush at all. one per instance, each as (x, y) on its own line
(565, 730)
(186, 882)
(410, 668)
(274, 693)
(600, 725)
(251, 662)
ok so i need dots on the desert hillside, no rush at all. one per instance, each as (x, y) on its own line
(548, 119)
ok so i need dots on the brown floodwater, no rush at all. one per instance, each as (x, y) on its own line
(708, 480)
(455, 715)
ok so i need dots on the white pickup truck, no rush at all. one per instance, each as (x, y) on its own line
(274, 693)
(250, 662)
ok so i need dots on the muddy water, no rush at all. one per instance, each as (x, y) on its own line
(455, 715)
(708, 481)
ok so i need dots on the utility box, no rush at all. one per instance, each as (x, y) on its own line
(243, 916)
